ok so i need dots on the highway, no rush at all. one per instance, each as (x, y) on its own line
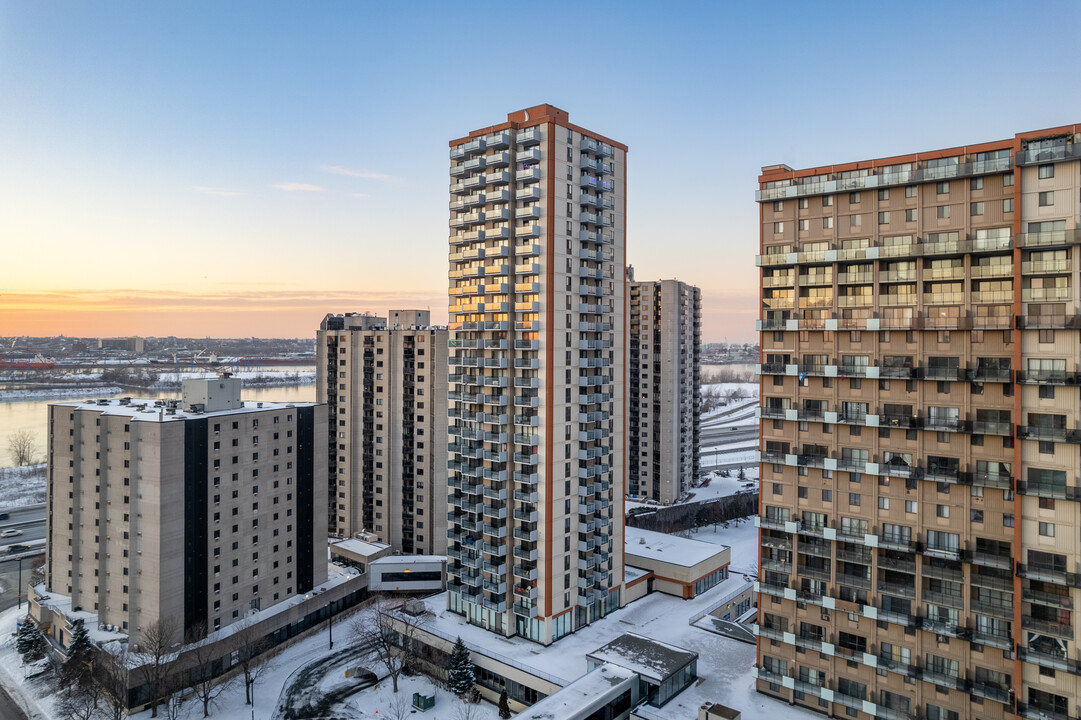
(30, 520)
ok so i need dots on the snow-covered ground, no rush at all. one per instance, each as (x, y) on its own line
(21, 486)
(56, 393)
(37, 696)
(740, 535)
(720, 486)
(251, 378)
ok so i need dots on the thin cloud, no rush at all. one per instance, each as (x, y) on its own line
(366, 174)
(299, 187)
(359, 195)
(220, 192)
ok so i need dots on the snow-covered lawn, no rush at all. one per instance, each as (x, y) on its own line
(741, 536)
(21, 486)
(37, 696)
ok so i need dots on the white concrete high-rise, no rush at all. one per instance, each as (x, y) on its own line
(537, 360)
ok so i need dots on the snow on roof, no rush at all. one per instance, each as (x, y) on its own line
(667, 548)
(724, 664)
(360, 547)
(144, 409)
(61, 604)
(409, 559)
(593, 690)
(630, 574)
(652, 659)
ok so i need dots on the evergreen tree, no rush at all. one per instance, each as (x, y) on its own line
(30, 642)
(504, 704)
(742, 475)
(460, 676)
(76, 669)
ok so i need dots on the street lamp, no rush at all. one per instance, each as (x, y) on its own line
(330, 629)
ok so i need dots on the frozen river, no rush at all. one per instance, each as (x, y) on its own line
(32, 414)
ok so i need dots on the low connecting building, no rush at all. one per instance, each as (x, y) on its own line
(199, 510)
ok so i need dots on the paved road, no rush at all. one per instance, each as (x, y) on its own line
(30, 521)
(8, 709)
(9, 580)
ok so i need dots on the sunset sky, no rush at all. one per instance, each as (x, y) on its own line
(242, 168)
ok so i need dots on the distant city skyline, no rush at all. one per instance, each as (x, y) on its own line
(244, 169)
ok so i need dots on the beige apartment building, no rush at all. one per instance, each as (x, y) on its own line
(920, 554)
(537, 375)
(665, 388)
(384, 380)
(197, 511)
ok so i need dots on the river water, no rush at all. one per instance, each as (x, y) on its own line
(32, 415)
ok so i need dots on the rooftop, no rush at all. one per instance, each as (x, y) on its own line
(663, 547)
(360, 547)
(652, 659)
(151, 410)
(592, 688)
(724, 664)
(409, 559)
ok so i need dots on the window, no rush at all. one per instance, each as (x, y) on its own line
(1007, 180)
(803, 225)
(778, 205)
(827, 223)
(884, 194)
(1047, 199)
(1007, 205)
(910, 506)
(976, 184)
(855, 220)
(827, 201)
(910, 215)
(1047, 171)
(827, 496)
(942, 511)
(883, 503)
(976, 208)
(1007, 520)
(1047, 529)
(910, 191)
(977, 516)
(803, 203)
(854, 499)
(943, 211)
(853, 198)
(942, 188)
(778, 227)
(883, 218)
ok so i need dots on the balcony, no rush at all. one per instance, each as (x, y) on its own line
(527, 231)
(531, 175)
(1053, 238)
(530, 155)
(1046, 294)
(469, 148)
(531, 136)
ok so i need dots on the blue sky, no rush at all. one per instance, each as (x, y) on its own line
(244, 167)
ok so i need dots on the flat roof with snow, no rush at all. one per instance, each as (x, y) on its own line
(582, 697)
(359, 547)
(145, 409)
(652, 659)
(408, 559)
(668, 548)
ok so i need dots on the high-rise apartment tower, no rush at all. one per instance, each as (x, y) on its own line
(665, 388)
(193, 512)
(385, 383)
(920, 433)
(537, 362)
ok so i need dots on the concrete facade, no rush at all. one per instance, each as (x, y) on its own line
(158, 511)
(386, 387)
(665, 388)
(538, 369)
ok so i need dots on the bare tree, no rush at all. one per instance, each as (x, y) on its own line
(111, 673)
(466, 709)
(175, 707)
(157, 657)
(22, 447)
(253, 655)
(390, 634)
(203, 652)
(400, 707)
(78, 701)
